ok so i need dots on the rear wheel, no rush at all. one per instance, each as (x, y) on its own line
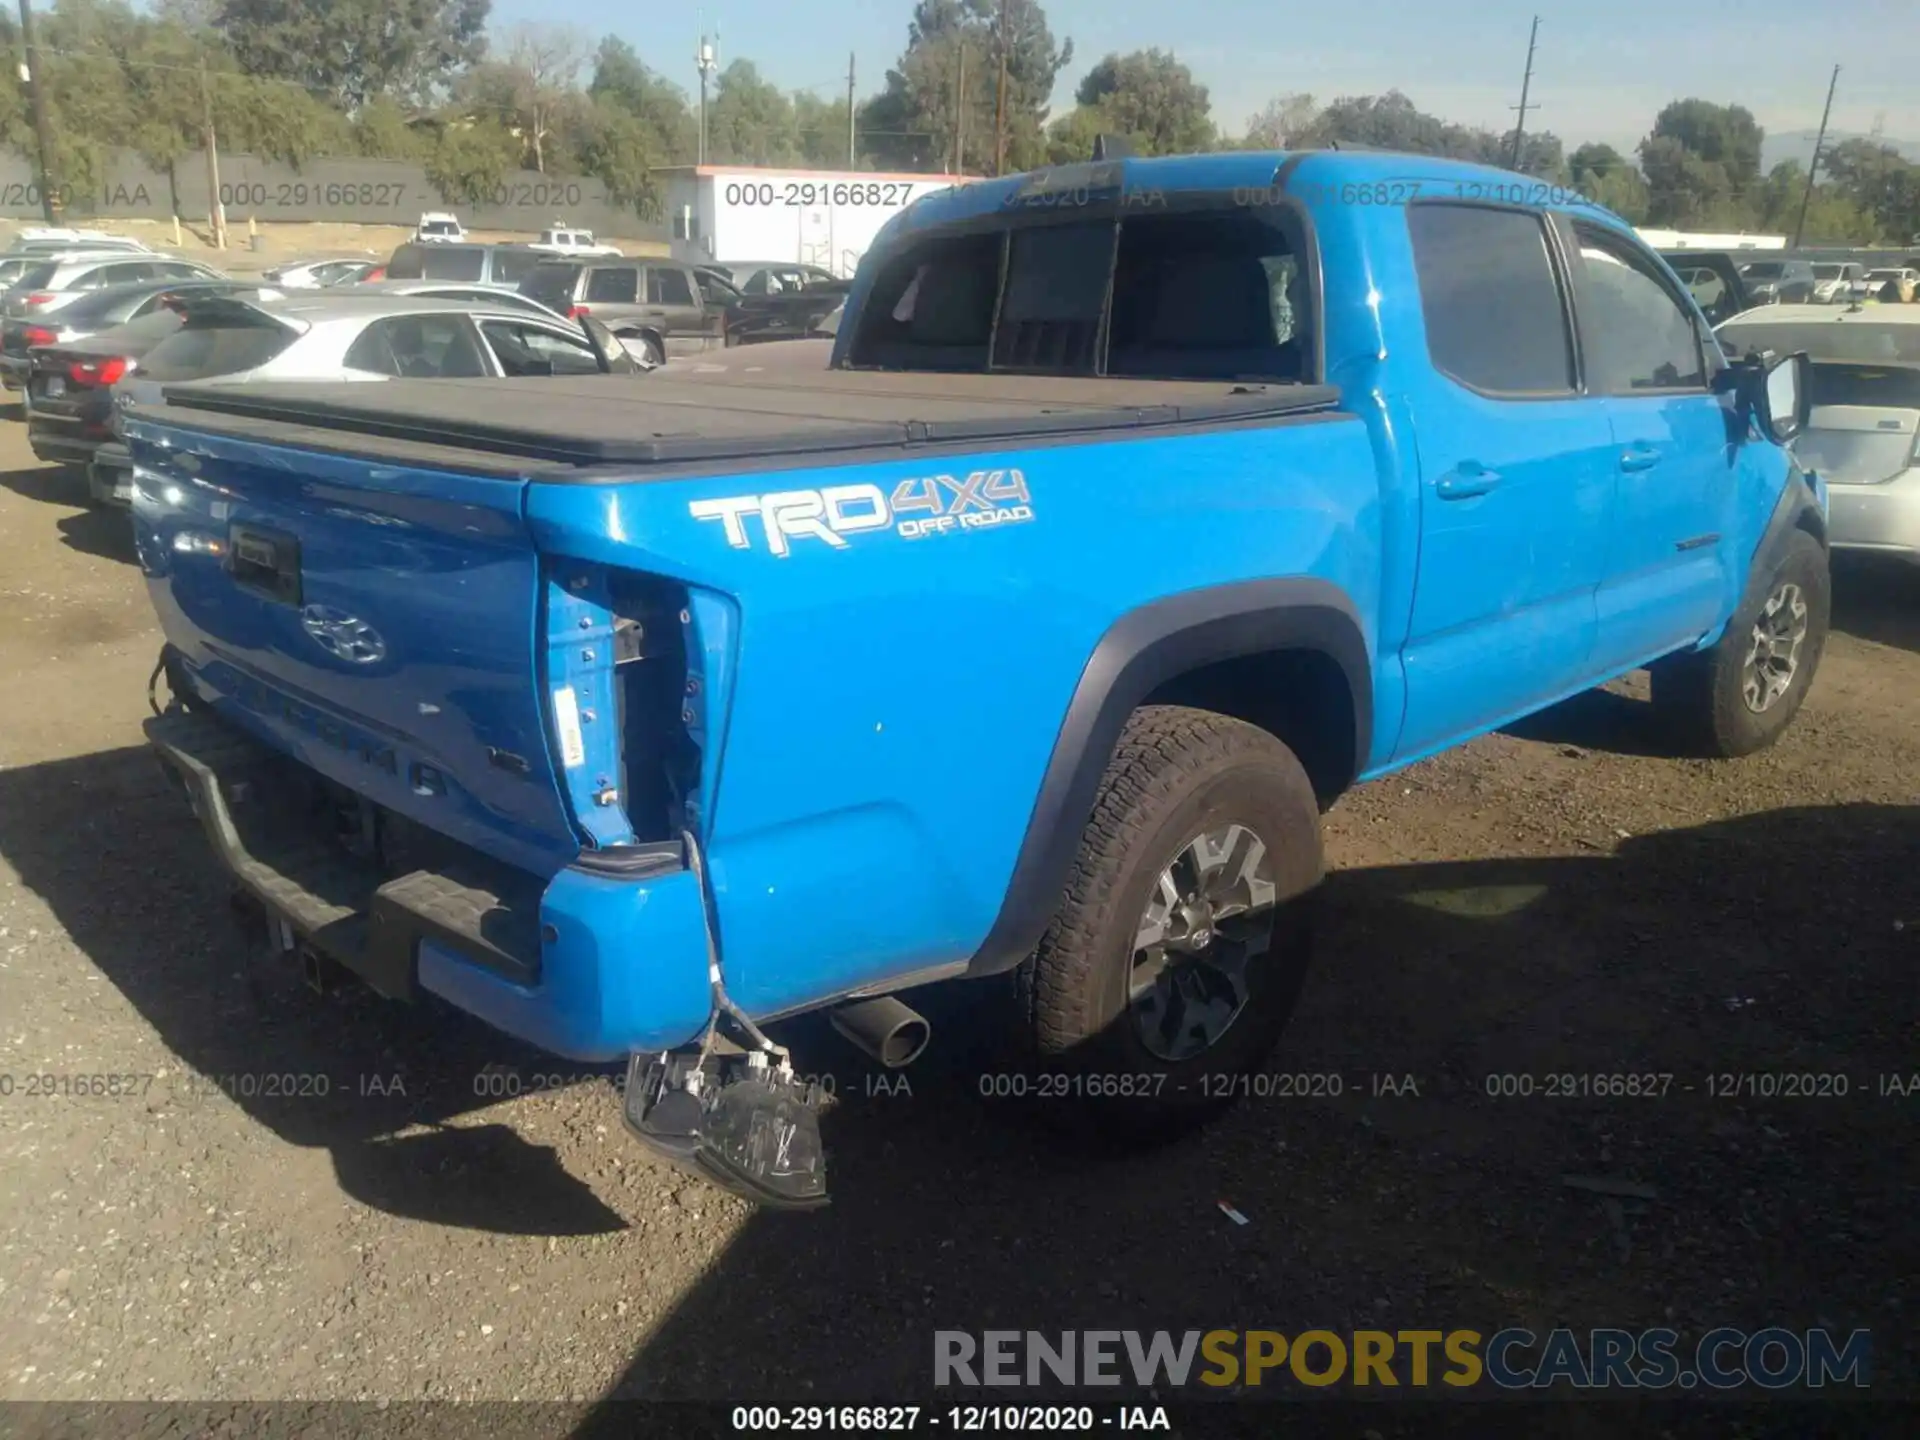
(1740, 695)
(1178, 952)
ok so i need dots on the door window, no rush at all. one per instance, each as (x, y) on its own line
(1636, 334)
(418, 347)
(668, 287)
(1495, 319)
(535, 350)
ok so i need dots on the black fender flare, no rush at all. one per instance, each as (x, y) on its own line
(1798, 508)
(1143, 650)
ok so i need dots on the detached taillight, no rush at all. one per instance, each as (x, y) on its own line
(98, 372)
(575, 312)
(38, 335)
(379, 272)
(40, 297)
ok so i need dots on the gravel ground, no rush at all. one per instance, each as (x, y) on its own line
(435, 1212)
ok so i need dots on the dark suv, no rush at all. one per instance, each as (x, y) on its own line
(658, 302)
(488, 264)
(1782, 282)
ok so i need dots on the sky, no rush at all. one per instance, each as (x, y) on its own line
(1601, 72)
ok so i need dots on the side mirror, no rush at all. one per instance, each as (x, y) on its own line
(1783, 398)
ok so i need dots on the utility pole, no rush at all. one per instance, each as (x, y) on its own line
(216, 212)
(1526, 84)
(1813, 169)
(1000, 98)
(960, 115)
(42, 125)
(852, 157)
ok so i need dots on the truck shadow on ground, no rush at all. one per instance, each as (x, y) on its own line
(1383, 1185)
(374, 1083)
(1412, 1197)
(107, 533)
(1873, 599)
(1877, 599)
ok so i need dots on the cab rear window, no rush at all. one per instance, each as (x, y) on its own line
(1199, 294)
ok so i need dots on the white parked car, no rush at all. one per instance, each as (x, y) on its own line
(1864, 429)
(1837, 282)
(440, 227)
(318, 274)
(565, 240)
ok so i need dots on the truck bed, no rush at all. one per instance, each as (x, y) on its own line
(570, 428)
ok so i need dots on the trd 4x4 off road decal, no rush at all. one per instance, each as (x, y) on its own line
(936, 505)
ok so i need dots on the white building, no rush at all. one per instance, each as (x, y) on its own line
(1682, 240)
(733, 213)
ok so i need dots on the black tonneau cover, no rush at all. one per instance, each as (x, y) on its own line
(659, 419)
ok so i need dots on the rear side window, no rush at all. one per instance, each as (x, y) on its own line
(617, 286)
(551, 285)
(36, 277)
(510, 267)
(668, 287)
(222, 347)
(1495, 321)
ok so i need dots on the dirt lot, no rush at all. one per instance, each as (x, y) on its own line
(1560, 899)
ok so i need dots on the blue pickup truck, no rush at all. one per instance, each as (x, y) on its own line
(1144, 507)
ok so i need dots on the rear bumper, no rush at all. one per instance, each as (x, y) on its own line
(586, 966)
(1883, 517)
(110, 476)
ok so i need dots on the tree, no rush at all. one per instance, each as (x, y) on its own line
(820, 130)
(1602, 174)
(1280, 123)
(616, 147)
(1723, 135)
(1597, 160)
(348, 51)
(532, 89)
(621, 79)
(1878, 181)
(1686, 190)
(750, 120)
(471, 160)
(910, 124)
(1153, 99)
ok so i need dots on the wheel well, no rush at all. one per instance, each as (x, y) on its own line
(1300, 697)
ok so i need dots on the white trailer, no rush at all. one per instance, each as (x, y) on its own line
(732, 213)
(1684, 240)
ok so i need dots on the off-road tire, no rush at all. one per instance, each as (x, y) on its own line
(1175, 773)
(1700, 696)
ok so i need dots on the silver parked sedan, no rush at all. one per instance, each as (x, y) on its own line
(1863, 435)
(316, 336)
(57, 282)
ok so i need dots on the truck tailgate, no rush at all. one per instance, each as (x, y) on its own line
(378, 622)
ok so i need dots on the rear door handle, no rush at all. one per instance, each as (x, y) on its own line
(1467, 479)
(1639, 457)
